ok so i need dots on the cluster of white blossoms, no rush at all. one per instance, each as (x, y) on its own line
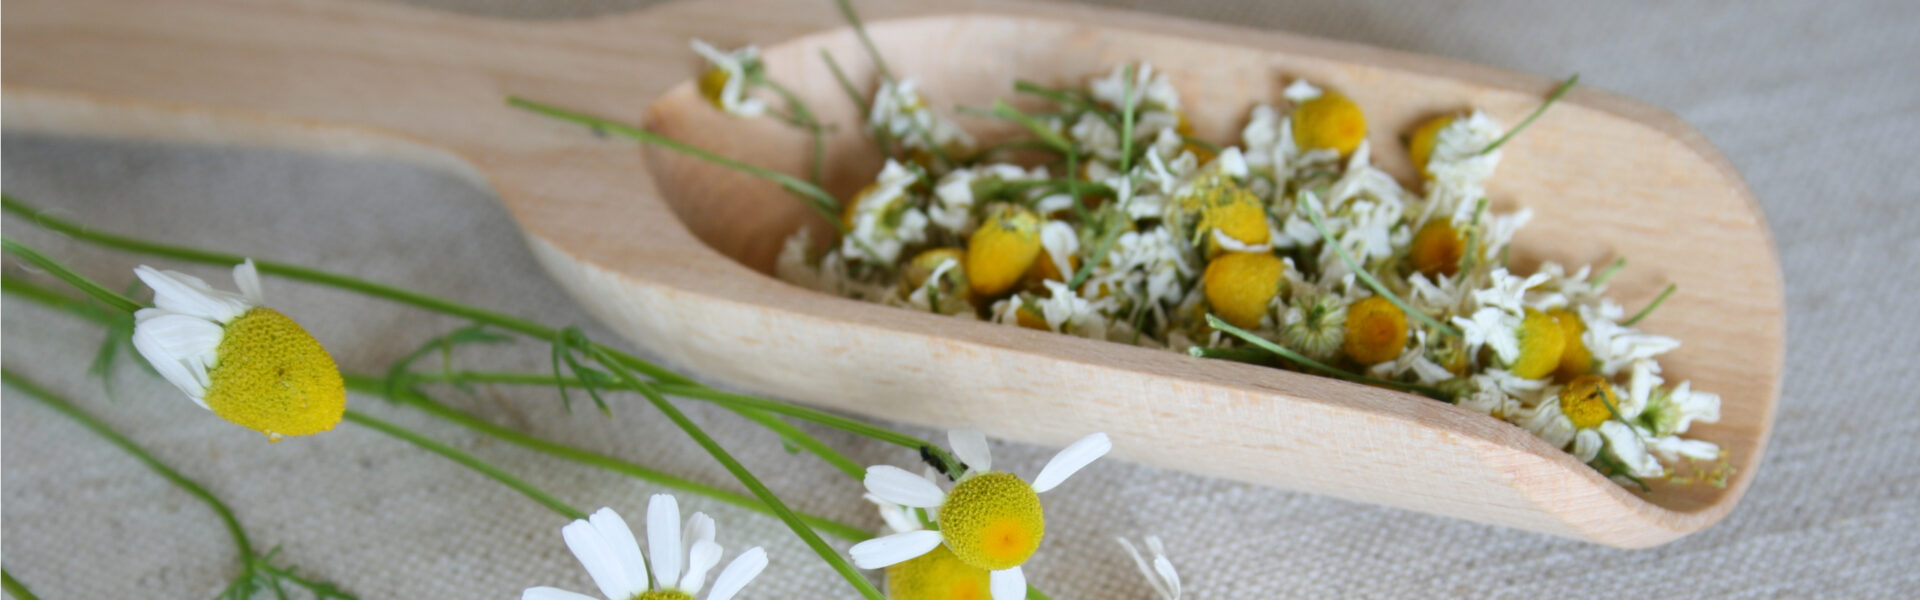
(1136, 232)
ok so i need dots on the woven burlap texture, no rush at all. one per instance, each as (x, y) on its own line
(1813, 102)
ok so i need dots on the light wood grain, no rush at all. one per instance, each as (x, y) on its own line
(671, 253)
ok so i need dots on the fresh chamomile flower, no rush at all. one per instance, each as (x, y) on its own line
(1002, 249)
(725, 84)
(247, 363)
(1158, 571)
(990, 519)
(611, 555)
(1376, 331)
(1241, 286)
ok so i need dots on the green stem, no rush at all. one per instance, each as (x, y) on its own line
(1297, 357)
(52, 299)
(1378, 288)
(184, 253)
(805, 441)
(807, 120)
(879, 64)
(376, 386)
(1608, 273)
(1551, 98)
(1126, 120)
(846, 85)
(1671, 288)
(68, 275)
(15, 588)
(72, 411)
(766, 496)
(468, 460)
(1099, 255)
(1252, 356)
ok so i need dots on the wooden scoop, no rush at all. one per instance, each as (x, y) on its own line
(674, 253)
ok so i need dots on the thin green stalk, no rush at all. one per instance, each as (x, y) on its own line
(1252, 356)
(1047, 135)
(1671, 288)
(1126, 120)
(184, 253)
(371, 385)
(98, 427)
(879, 64)
(68, 275)
(1551, 98)
(468, 460)
(746, 478)
(810, 122)
(52, 299)
(15, 588)
(806, 442)
(1093, 260)
(1608, 273)
(1378, 288)
(846, 84)
(815, 197)
(1289, 354)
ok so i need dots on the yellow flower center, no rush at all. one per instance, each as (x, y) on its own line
(937, 575)
(713, 83)
(663, 595)
(274, 378)
(1376, 331)
(1231, 209)
(1541, 344)
(992, 521)
(1002, 250)
(1436, 249)
(1420, 146)
(1588, 401)
(1576, 360)
(1330, 121)
(1241, 285)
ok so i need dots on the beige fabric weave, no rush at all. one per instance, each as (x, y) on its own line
(1814, 102)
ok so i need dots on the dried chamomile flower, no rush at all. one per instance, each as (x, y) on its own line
(245, 362)
(1240, 286)
(1002, 249)
(1542, 342)
(725, 83)
(607, 548)
(1329, 122)
(990, 519)
(1575, 360)
(1376, 331)
(1420, 144)
(1437, 249)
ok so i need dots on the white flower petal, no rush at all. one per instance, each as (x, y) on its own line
(702, 557)
(1626, 444)
(899, 518)
(185, 294)
(600, 559)
(619, 539)
(1586, 445)
(699, 527)
(1008, 584)
(663, 538)
(970, 445)
(1070, 460)
(549, 593)
(247, 278)
(738, 574)
(901, 487)
(180, 348)
(893, 549)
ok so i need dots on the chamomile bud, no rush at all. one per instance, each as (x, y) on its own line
(1588, 401)
(1330, 121)
(1436, 249)
(1376, 331)
(1241, 285)
(1420, 145)
(247, 363)
(1002, 249)
(1542, 342)
(1316, 326)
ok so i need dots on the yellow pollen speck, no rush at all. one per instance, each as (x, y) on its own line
(1541, 343)
(663, 595)
(1588, 401)
(1241, 285)
(992, 521)
(1376, 331)
(1002, 249)
(713, 83)
(274, 378)
(1420, 146)
(937, 575)
(1329, 121)
(1437, 249)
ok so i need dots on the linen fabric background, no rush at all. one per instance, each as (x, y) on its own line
(1818, 104)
